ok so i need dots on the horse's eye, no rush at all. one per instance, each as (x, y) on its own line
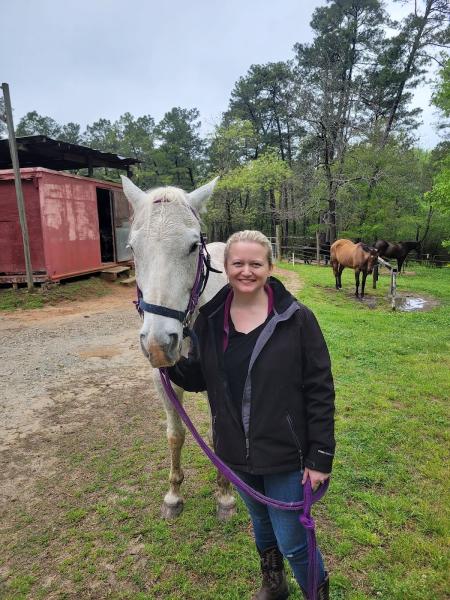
(193, 248)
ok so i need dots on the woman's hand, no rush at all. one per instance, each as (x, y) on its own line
(316, 478)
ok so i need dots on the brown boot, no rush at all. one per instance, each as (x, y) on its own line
(323, 591)
(274, 584)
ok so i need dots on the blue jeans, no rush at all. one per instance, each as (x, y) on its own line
(272, 526)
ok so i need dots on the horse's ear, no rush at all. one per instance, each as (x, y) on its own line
(199, 197)
(136, 197)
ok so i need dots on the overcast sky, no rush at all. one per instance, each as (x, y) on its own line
(80, 61)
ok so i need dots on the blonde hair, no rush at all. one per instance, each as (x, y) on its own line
(250, 235)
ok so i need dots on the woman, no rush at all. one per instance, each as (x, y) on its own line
(265, 365)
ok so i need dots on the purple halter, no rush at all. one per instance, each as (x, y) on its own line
(204, 268)
(310, 497)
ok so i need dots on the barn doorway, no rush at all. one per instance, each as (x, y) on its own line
(106, 225)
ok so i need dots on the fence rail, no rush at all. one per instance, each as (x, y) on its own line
(308, 255)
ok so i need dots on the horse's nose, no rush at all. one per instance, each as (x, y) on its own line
(143, 346)
(161, 352)
(173, 343)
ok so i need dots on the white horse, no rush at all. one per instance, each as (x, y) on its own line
(164, 238)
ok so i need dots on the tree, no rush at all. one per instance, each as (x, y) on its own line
(250, 196)
(413, 47)
(441, 96)
(102, 135)
(438, 198)
(232, 144)
(402, 65)
(395, 210)
(35, 124)
(181, 148)
(266, 98)
(347, 33)
(71, 133)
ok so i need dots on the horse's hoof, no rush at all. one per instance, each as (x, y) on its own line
(225, 512)
(171, 511)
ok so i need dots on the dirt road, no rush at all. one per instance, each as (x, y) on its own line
(58, 367)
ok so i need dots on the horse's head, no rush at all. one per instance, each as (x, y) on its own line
(372, 259)
(164, 238)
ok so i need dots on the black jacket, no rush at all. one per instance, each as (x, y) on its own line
(287, 417)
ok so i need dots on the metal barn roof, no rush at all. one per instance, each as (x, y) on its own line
(42, 151)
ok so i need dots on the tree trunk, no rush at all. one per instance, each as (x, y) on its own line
(273, 219)
(229, 223)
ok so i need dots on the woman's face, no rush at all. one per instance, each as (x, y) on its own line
(247, 267)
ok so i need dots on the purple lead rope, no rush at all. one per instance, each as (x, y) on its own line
(304, 507)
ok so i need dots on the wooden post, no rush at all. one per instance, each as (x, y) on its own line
(18, 182)
(293, 258)
(393, 288)
(317, 248)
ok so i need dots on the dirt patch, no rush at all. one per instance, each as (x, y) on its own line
(102, 352)
(291, 279)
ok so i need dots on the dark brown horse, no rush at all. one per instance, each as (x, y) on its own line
(360, 257)
(398, 250)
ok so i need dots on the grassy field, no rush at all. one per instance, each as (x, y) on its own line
(91, 287)
(383, 527)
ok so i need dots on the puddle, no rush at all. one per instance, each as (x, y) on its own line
(412, 303)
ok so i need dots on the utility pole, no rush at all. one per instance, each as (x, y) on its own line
(18, 181)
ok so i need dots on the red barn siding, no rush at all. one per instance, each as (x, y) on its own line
(62, 220)
(70, 225)
(12, 259)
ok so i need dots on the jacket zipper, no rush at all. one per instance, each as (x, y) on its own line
(296, 440)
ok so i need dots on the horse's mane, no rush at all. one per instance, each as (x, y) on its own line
(365, 247)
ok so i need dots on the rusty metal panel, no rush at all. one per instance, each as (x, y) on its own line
(70, 224)
(12, 258)
(62, 222)
(121, 226)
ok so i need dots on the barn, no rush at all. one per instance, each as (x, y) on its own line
(76, 224)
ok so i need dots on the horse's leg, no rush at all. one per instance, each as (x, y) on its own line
(357, 282)
(363, 284)
(173, 501)
(334, 266)
(226, 502)
(341, 268)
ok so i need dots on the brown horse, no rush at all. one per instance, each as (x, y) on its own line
(360, 257)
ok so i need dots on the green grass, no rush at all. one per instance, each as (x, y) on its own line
(388, 505)
(383, 526)
(11, 299)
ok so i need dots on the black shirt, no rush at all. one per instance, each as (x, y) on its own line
(237, 358)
